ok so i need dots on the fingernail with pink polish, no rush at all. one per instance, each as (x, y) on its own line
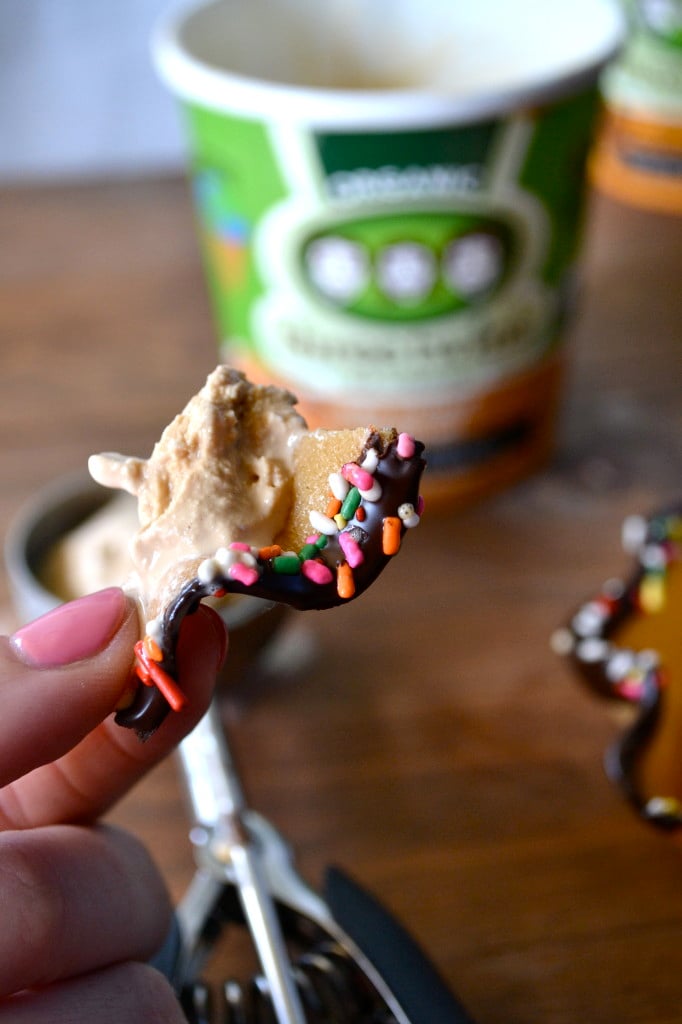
(72, 632)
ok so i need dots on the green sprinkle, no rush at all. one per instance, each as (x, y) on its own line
(308, 551)
(321, 542)
(351, 503)
(287, 565)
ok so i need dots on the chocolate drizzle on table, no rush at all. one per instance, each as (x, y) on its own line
(368, 540)
(593, 640)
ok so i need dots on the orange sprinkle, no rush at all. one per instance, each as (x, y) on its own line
(152, 673)
(345, 583)
(333, 508)
(272, 551)
(360, 514)
(168, 687)
(142, 663)
(152, 649)
(390, 537)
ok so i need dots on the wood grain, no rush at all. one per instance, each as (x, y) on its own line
(425, 738)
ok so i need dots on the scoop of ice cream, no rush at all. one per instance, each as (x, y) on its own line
(220, 473)
(95, 554)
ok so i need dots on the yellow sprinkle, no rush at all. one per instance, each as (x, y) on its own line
(652, 594)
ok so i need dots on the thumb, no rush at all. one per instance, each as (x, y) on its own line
(60, 676)
(60, 714)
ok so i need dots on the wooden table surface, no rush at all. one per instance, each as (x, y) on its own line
(426, 738)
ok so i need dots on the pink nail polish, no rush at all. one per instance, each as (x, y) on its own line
(72, 632)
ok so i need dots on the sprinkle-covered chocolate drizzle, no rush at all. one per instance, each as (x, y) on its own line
(372, 503)
(635, 677)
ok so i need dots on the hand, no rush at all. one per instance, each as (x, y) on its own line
(83, 907)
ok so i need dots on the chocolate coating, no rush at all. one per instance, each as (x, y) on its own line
(399, 479)
(591, 641)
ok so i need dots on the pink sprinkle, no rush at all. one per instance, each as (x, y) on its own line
(351, 549)
(243, 574)
(405, 447)
(357, 476)
(316, 572)
(630, 689)
(420, 506)
(238, 545)
(313, 538)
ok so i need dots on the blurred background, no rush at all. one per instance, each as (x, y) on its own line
(426, 737)
(78, 94)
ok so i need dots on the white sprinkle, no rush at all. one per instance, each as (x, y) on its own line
(561, 641)
(373, 493)
(154, 629)
(589, 620)
(659, 805)
(338, 485)
(619, 665)
(208, 570)
(653, 557)
(225, 558)
(323, 524)
(592, 650)
(371, 460)
(407, 514)
(633, 533)
(247, 558)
